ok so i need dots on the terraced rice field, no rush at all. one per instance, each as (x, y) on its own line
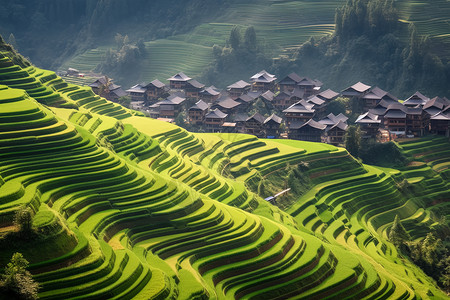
(146, 209)
(282, 24)
(432, 18)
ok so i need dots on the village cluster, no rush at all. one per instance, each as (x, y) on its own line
(299, 102)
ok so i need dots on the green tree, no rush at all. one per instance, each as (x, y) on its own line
(235, 37)
(353, 140)
(17, 282)
(250, 38)
(398, 234)
(23, 219)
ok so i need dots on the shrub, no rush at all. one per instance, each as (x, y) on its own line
(23, 219)
(17, 282)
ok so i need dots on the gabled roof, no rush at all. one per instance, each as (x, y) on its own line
(310, 123)
(299, 93)
(119, 92)
(300, 107)
(216, 114)
(227, 103)
(292, 78)
(378, 94)
(156, 83)
(210, 91)
(262, 72)
(179, 77)
(341, 125)
(257, 117)
(274, 118)
(199, 105)
(328, 95)
(436, 102)
(241, 84)
(283, 95)
(395, 114)
(315, 100)
(195, 83)
(100, 81)
(358, 87)
(367, 118)
(138, 88)
(172, 100)
(263, 76)
(331, 119)
(240, 117)
(245, 98)
(309, 82)
(440, 116)
(268, 95)
(416, 99)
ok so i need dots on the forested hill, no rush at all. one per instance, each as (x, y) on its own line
(137, 40)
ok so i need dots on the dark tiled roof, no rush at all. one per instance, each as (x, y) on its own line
(396, 114)
(292, 77)
(341, 125)
(239, 85)
(173, 100)
(216, 114)
(245, 98)
(359, 87)
(240, 117)
(119, 92)
(200, 105)
(257, 117)
(273, 117)
(179, 77)
(328, 94)
(227, 103)
(331, 119)
(263, 77)
(210, 91)
(310, 123)
(418, 95)
(316, 100)
(300, 107)
(138, 88)
(299, 93)
(196, 84)
(309, 82)
(156, 83)
(440, 116)
(268, 95)
(283, 95)
(437, 102)
(367, 118)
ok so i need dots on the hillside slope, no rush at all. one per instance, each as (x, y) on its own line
(281, 27)
(149, 210)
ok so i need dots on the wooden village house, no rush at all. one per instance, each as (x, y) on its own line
(238, 88)
(179, 81)
(311, 131)
(214, 120)
(209, 95)
(272, 126)
(197, 112)
(193, 88)
(300, 112)
(263, 81)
